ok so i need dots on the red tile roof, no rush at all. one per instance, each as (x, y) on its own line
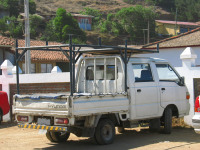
(178, 22)
(6, 42)
(35, 55)
(44, 55)
(191, 38)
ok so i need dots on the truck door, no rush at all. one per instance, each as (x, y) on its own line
(146, 91)
(171, 91)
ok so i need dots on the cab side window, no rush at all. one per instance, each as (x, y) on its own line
(166, 73)
(142, 72)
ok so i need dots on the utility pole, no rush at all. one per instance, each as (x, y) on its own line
(144, 35)
(148, 35)
(27, 38)
(176, 21)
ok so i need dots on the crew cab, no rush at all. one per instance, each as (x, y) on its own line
(156, 92)
(4, 105)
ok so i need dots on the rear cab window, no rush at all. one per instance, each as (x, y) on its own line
(167, 73)
(110, 72)
(142, 73)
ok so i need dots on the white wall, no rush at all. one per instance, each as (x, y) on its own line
(8, 78)
(173, 55)
(10, 57)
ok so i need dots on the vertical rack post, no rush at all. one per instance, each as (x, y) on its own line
(95, 76)
(17, 66)
(73, 68)
(85, 86)
(125, 62)
(99, 41)
(158, 48)
(115, 75)
(105, 76)
(70, 66)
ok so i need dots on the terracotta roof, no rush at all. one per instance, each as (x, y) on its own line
(178, 22)
(191, 38)
(6, 42)
(44, 55)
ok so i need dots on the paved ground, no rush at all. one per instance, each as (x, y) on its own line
(11, 137)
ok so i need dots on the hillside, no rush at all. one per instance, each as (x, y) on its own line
(49, 7)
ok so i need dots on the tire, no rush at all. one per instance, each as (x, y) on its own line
(168, 121)
(120, 129)
(154, 125)
(57, 137)
(48, 135)
(105, 132)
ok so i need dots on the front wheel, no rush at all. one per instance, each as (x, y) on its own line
(105, 132)
(168, 121)
(57, 136)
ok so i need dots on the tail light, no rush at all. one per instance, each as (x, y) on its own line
(197, 106)
(61, 121)
(187, 95)
(22, 118)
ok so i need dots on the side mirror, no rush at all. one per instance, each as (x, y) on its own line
(182, 81)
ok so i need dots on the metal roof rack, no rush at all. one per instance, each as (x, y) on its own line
(74, 51)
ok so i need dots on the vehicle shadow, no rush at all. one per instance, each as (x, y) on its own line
(7, 124)
(131, 139)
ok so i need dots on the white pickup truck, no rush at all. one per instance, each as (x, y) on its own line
(100, 102)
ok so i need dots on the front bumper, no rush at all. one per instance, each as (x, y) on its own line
(196, 122)
(43, 127)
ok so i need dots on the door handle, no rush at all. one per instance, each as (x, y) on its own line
(163, 89)
(139, 90)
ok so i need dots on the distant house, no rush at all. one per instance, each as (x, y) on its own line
(164, 27)
(44, 61)
(41, 61)
(84, 21)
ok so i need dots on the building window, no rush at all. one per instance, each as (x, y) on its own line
(46, 68)
(84, 21)
(33, 70)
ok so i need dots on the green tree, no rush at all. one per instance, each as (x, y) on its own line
(37, 25)
(61, 26)
(15, 28)
(134, 19)
(3, 25)
(17, 6)
(188, 10)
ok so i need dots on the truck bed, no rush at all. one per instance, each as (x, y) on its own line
(62, 104)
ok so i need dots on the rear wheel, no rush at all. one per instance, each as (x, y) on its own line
(168, 121)
(57, 136)
(105, 132)
(48, 135)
